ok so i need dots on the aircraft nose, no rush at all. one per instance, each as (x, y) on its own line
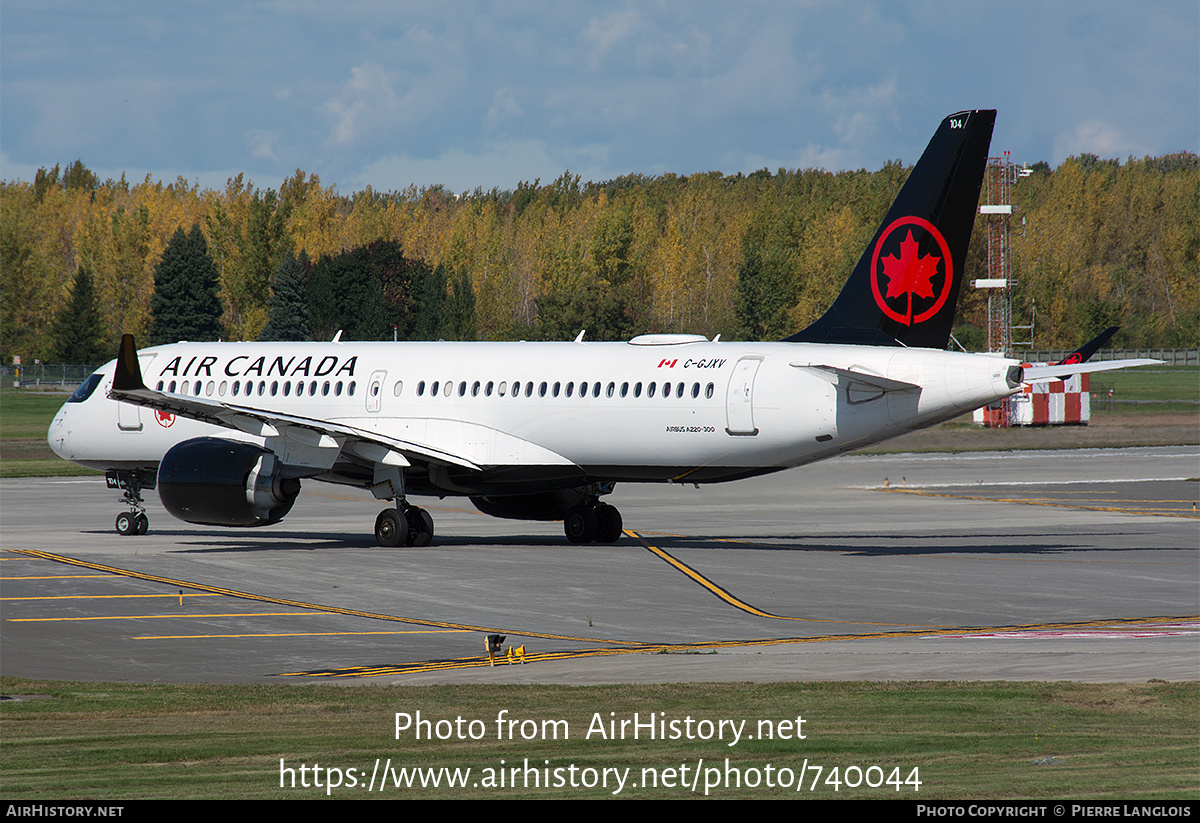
(58, 435)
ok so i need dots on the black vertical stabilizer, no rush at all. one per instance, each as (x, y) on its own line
(905, 287)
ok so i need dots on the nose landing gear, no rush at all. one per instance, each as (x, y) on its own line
(130, 481)
(132, 523)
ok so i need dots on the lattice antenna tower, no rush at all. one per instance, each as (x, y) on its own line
(997, 217)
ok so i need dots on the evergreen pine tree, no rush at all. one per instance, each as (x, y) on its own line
(79, 333)
(185, 305)
(288, 309)
(430, 293)
(460, 309)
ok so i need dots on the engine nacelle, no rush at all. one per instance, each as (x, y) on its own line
(218, 482)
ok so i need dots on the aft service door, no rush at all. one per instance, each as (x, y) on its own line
(739, 399)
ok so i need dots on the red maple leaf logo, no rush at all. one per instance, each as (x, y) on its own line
(910, 273)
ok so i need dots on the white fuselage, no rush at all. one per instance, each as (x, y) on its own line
(546, 415)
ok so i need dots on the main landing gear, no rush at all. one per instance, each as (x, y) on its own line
(404, 525)
(134, 521)
(591, 521)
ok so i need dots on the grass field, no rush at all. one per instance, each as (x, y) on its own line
(24, 419)
(959, 740)
(1149, 389)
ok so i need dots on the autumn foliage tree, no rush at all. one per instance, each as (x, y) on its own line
(755, 256)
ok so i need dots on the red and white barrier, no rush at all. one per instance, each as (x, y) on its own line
(1055, 403)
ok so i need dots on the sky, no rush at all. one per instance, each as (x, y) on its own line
(388, 94)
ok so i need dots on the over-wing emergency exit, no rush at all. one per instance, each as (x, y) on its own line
(227, 432)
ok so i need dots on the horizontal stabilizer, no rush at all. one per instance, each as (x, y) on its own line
(838, 376)
(1059, 371)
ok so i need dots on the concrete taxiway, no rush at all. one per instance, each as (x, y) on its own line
(1080, 565)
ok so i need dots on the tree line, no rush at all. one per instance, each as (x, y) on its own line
(1096, 243)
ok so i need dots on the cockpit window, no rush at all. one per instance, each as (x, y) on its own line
(85, 388)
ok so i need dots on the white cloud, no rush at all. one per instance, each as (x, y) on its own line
(626, 87)
(262, 143)
(504, 108)
(604, 33)
(1095, 137)
(367, 92)
(498, 165)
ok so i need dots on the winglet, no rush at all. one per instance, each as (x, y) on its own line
(128, 376)
(1085, 352)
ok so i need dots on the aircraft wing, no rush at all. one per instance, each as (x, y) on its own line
(298, 431)
(1060, 371)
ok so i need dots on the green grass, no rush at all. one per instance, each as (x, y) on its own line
(24, 419)
(966, 740)
(1154, 388)
(27, 414)
(44, 467)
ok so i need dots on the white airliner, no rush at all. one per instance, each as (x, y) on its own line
(541, 431)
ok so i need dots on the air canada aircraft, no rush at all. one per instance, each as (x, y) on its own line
(542, 431)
